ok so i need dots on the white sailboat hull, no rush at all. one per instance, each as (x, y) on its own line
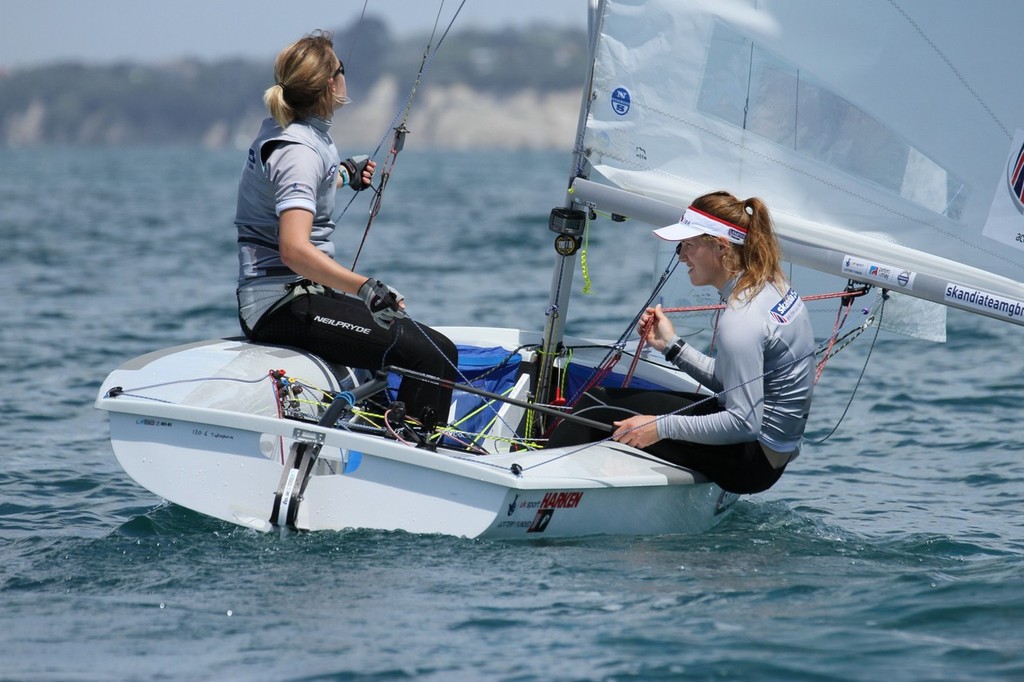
(215, 444)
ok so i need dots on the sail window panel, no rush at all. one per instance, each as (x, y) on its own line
(774, 92)
(758, 91)
(835, 132)
(724, 87)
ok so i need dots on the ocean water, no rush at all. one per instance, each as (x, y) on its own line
(892, 550)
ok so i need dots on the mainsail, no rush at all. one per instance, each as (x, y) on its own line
(886, 136)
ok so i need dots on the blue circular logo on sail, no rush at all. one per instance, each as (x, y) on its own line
(621, 101)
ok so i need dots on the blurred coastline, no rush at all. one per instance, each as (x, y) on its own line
(478, 90)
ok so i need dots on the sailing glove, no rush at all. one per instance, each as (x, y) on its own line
(382, 301)
(353, 167)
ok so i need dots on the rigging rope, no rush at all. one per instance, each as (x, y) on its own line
(615, 352)
(860, 377)
(400, 130)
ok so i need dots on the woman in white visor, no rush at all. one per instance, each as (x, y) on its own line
(761, 369)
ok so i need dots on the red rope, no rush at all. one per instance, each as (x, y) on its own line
(720, 306)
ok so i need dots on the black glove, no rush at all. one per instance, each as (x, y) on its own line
(382, 301)
(354, 167)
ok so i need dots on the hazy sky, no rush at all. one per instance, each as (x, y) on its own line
(34, 32)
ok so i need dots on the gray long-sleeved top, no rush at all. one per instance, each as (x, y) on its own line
(763, 372)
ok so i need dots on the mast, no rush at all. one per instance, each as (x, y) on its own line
(568, 223)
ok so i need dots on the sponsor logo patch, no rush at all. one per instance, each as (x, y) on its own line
(341, 323)
(786, 309)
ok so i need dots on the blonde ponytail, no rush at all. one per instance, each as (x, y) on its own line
(273, 97)
(302, 80)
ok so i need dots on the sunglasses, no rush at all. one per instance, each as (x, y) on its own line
(340, 71)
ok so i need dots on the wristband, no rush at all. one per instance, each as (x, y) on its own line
(673, 351)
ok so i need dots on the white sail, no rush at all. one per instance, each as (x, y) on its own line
(882, 133)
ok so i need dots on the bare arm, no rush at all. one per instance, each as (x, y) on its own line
(299, 254)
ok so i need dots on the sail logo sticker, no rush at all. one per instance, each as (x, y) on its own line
(1015, 179)
(882, 273)
(621, 101)
(1005, 223)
